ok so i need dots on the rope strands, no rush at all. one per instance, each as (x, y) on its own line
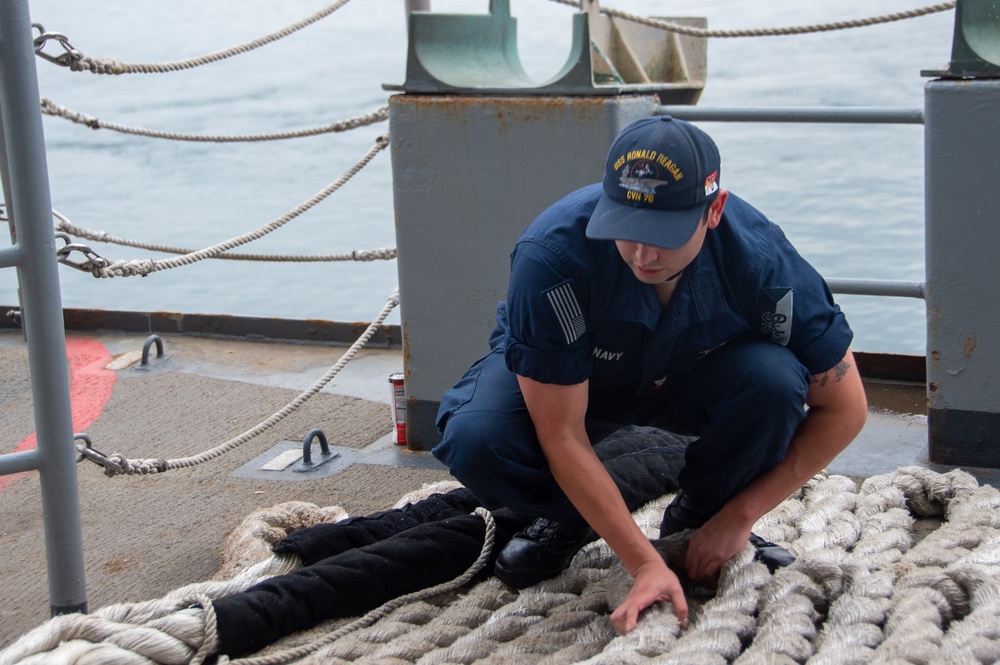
(82, 63)
(773, 32)
(150, 466)
(49, 107)
(893, 590)
(147, 266)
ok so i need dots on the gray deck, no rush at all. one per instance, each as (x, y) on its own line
(144, 536)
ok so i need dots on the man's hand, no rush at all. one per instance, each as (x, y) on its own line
(717, 541)
(654, 582)
(837, 410)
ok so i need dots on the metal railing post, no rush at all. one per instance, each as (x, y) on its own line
(962, 211)
(30, 211)
(962, 193)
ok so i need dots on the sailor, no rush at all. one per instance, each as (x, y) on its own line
(655, 298)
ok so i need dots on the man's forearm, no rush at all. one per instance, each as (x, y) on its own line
(590, 488)
(822, 436)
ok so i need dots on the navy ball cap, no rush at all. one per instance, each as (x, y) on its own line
(661, 174)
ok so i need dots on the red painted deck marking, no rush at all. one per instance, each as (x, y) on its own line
(90, 387)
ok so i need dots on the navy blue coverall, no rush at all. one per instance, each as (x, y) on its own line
(729, 360)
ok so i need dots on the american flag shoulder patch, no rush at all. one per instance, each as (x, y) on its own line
(566, 308)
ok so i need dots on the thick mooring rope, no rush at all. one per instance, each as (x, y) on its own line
(293, 654)
(49, 107)
(112, 66)
(150, 466)
(864, 588)
(180, 628)
(145, 267)
(772, 32)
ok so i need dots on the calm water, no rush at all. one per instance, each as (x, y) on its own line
(850, 197)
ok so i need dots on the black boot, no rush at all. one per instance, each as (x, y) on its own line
(681, 514)
(541, 551)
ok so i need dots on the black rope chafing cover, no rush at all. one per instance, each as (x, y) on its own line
(348, 584)
(356, 565)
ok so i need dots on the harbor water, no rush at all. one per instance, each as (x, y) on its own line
(850, 197)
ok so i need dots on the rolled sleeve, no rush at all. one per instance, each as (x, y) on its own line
(817, 331)
(829, 348)
(547, 337)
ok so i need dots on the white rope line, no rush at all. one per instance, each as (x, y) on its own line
(150, 466)
(64, 225)
(182, 628)
(165, 630)
(145, 267)
(859, 591)
(771, 32)
(49, 107)
(113, 66)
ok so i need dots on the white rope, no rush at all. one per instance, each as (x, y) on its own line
(49, 107)
(145, 267)
(64, 225)
(113, 66)
(174, 629)
(181, 628)
(771, 32)
(150, 466)
(852, 596)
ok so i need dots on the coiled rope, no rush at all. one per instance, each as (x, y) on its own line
(145, 267)
(772, 32)
(150, 466)
(863, 588)
(49, 107)
(113, 66)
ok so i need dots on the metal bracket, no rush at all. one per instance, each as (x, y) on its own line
(150, 341)
(477, 54)
(67, 58)
(87, 451)
(292, 460)
(325, 455)
(92, 260)
(975, 47)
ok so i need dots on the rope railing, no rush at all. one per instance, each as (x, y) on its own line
(49, 107)
(64, 225)
(772, 32)
(101, 267)
(118, 464)
(78, 62)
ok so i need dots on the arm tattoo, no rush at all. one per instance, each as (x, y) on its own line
(839, 371)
